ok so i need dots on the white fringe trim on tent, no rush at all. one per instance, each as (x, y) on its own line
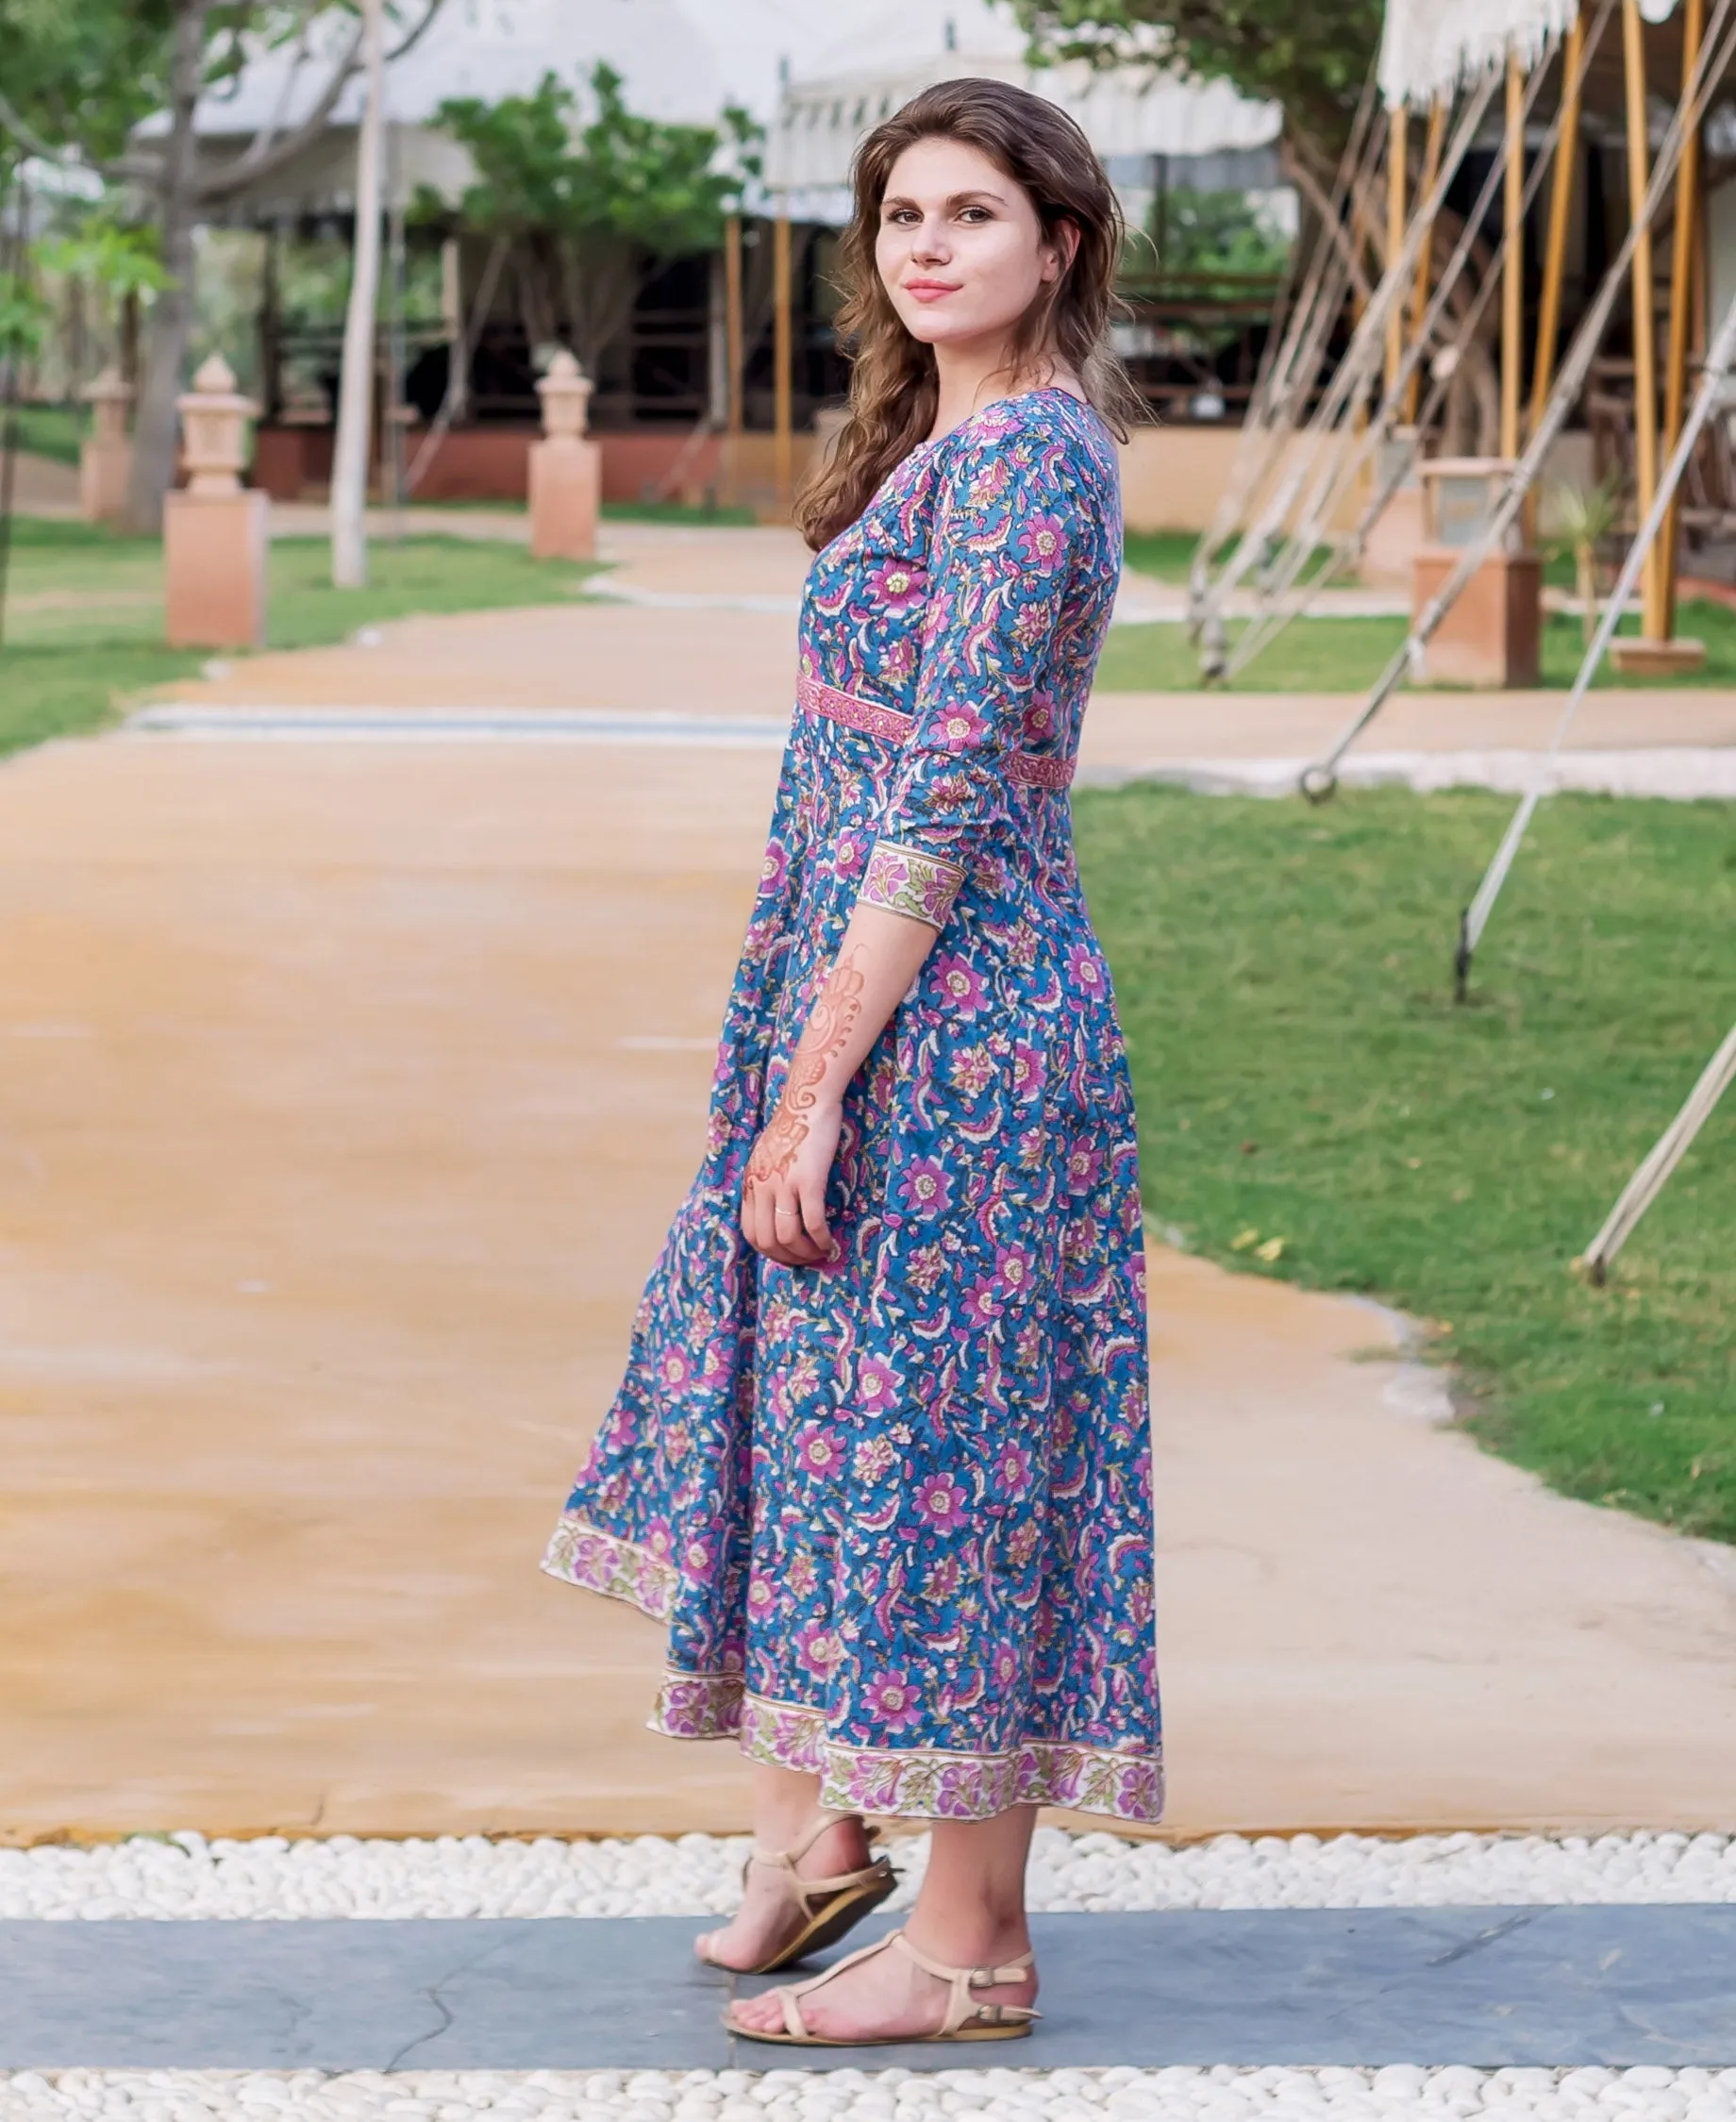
(1430, 48)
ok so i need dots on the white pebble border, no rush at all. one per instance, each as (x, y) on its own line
(186, 1876)
(1221, 2095)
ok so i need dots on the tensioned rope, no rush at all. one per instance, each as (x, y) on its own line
(1366, 353)
(1254, 640)
(1647, 1182)
(1318, 779)
(1713, 394)
(1274, 417)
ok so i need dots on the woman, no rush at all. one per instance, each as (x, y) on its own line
(880, 1459)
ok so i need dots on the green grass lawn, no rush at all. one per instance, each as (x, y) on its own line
(1345, 655)
(1306, 1083)
(1168, 555)
(52, 430)
(84, 611)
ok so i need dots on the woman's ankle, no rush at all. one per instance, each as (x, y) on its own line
(969, 1937)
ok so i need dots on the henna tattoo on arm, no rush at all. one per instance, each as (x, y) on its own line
(828, 1033)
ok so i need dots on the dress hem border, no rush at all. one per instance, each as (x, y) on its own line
(891, 1781)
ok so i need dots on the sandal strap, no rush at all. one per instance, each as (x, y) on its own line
(787, 1993)
(805, 1891)
(961, 2011)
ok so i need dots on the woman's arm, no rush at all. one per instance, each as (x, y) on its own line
(999, 562)
(783, 1202)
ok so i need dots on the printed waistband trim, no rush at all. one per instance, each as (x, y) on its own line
(1033, 769)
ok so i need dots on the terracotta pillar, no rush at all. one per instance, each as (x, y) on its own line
(106, 458)
(215, 533)
(566, 478)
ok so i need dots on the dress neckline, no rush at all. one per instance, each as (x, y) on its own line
(1012, 397)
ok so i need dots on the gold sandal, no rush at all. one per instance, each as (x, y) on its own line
(964, 2020)
(829, 1907)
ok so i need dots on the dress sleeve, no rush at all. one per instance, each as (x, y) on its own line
(997, 575)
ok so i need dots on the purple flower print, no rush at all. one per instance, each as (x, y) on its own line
(972, 1071)
(818, 1649)
(873, 1459)
(897, 585)
(1006, 1669)
(926, 1267)
(1013, 1470)
(961, 984)
(1014, 1270)
(981, 1305)
(925, 1188)
(1039, 720)
(775, 869)
(941, 1501)
(819, 1454)
(1026, 1070)
(1084, 1169)
(876, 1386)
(895, 1704)
(961, 727)
(1043, 543)
(1085, 970)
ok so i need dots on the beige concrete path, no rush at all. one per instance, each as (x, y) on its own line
(346, 1089)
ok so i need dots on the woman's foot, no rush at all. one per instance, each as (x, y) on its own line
(889, 1997)
(770, 1916)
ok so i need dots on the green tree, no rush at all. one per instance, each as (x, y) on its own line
(1311, 55)
(589, 211)
(1201, 235)
(77, 75)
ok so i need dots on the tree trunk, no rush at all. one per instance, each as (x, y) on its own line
(350, 454)
(154, 419)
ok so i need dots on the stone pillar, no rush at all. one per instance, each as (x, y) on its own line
(105, 459)
(1494, 634)
(215, 533)
(566, 477)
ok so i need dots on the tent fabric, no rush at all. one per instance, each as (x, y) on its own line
(1128, 111)
(1428, 48)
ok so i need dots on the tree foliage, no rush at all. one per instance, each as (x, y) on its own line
(590, 209)
(1311, 55)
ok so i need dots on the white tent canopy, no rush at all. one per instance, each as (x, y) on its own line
(815, 75)
(1127, 111)
(1430, 48)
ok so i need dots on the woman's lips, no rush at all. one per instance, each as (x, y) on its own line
(930, 290)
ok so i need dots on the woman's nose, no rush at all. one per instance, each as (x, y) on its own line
(931, 246)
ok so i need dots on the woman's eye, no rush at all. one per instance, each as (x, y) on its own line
(974, 213)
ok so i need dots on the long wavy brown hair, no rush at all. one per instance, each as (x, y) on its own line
(893, 382)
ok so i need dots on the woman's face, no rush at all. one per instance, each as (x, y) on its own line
(959, 248)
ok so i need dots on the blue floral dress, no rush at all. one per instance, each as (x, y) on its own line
(895, 1510)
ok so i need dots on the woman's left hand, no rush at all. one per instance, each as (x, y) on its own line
(783, 1198)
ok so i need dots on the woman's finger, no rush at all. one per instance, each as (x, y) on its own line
(794, 1247)
(818, 1233)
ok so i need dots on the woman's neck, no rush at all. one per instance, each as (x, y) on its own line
(970, 377)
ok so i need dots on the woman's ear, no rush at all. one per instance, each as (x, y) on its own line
(1061, 250)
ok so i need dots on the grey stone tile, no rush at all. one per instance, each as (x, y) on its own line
(1480, 1986)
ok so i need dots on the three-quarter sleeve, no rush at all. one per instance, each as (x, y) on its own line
(997, 575)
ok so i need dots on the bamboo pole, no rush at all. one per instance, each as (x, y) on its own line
(1561, 214)
(1397, 156)
(732, 358)
(1681, 312)
(1644, 325)
(1432, 145)
(783, 449)
(1513, 276)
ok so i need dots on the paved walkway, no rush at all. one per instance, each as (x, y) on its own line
(1489, 1988)
(349, 1088)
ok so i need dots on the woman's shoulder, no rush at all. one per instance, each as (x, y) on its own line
(1047, 435)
